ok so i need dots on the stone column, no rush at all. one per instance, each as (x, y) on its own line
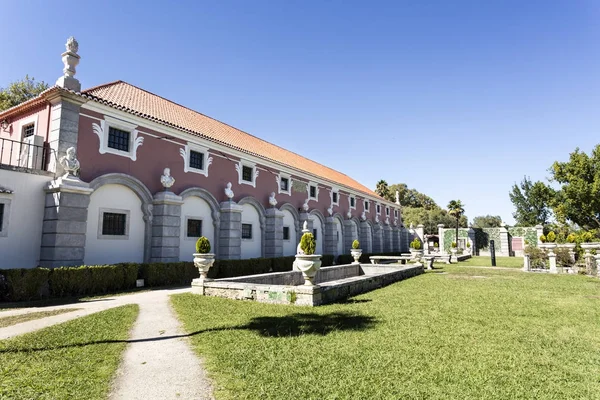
(396, 247)
(387, 239)
(273, 233)
(63, 130)
(552, 261)
(420, 232)
(350, 235)
(472, 239)
(526, 263)
(588, 261)
(441, 237)
(330, 240)
(377, 239)
(540, 231)
(597, 259)
(366, 241)
(505, 246)
(65, 223)
(230, 232)
(166, 227)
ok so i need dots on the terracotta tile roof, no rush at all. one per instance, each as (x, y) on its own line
(132, 99)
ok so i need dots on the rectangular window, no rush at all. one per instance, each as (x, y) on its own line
(315, 233)
(313, 192)
(246, 231)
(396, 213)
(286, 233)
(1, 216)
(366, 206)
(378, 209)
(194, 227)
(285, 184)
(352, 202)
(114, 224)
(28, 130)
(196, 159)
(247, 173)
(118, 139)
(387, 211)
(335, 197)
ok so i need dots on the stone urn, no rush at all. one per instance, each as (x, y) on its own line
(203, 261)
(356, 253)
(453, 250)
(309, 265)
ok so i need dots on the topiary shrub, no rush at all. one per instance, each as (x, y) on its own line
(551, 237)
(308, 243)
(572, 238)
(415, 244)
(356, 245)
(468, 245)
(202, 245)
(543, 238)
(453, 245)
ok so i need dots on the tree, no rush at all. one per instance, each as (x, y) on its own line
(383, 190)
(487, 221)
(456, 209)
(578, 199)
(531, 201)
(20, 91)
(430, 219)
(411, 197)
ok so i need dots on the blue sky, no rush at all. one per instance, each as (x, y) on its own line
(458, 99)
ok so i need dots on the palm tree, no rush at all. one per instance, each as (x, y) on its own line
(382, 189)
(455, 208)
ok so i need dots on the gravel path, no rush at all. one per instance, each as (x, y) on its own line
(158, 362)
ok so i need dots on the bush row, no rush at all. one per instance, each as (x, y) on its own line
(38, 283)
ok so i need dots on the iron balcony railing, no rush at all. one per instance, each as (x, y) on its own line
(32, 154)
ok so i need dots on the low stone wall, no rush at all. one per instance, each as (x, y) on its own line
(333, 284)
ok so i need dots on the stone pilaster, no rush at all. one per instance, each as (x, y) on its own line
(441, 237)
(274, 233)
(420, 232)
(65, 223)
(350, 235)
(166, 227)
(539, 232)
(387, 239)
(366, 237)
(230, 232)
(330, 239)
(526, 263)
(396, 239)
(63, 131)
(472, 239)
(377, 239)
(505, 245)
(552, 262)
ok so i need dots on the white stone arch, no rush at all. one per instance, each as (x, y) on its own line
(318, 224)
(93, 238)
(199, 203)
(256, 246)
(339, 234)
(291, 216)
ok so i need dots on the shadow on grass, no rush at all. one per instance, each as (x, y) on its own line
(281, 326)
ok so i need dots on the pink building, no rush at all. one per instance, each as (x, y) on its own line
(248, 196)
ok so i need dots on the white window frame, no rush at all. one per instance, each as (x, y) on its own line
(387, 211)
(185, 229)
(102, 131)
(6, 199)
(101, 212)
(239, 167)
(335, 190)
(251, 239)
(28, 121)
(278, 178)
(316, 185)
(395, 213)
(366, 206)
(289, 239)
(185, 154)
(377, 208)
(350, 197)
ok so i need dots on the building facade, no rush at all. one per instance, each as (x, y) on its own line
(152, 176)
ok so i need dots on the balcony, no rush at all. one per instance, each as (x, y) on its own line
(31, 155)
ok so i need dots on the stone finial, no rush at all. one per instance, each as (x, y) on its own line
(305, 227)
(166, 179)
(228, 191)
(330, 210)
(305, 205)
(70, 163)
(70, 59)
(397, 197)
(272, 199)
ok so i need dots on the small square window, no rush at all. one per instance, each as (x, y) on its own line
(196, 159)
(313, 192)
(194, 227)
(114, 224)
(366, 206)
(1, 216)
(246, 231)
(28, 130)
(352, 202)
(286, 233)
(118, 139)
(315, 233)
(247, 173)
(285, 184)
(335, 197)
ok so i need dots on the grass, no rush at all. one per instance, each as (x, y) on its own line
(486, 261)
(17, 319)
(465, 333)
(73, 360)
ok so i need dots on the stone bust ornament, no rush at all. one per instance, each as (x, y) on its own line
(272, 200)
(70, 163)
(228, 191)
(166, 179)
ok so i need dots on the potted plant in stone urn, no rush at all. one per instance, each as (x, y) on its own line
(469, 247)
(569, 242)
(415, 248)
(550, 240)
(356, 251)
(203, 258)
(306, 260)
(453, 249)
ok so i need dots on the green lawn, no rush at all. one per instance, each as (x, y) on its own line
(73, 360)
(463, 333)
(17, 319)
(486, 261)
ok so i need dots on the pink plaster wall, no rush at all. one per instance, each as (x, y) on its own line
(13, 133)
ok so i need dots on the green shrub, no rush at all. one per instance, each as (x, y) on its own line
(551, 237)
(563, 257)
(572, 238)
(415, 244)
(468, 245)
(25, 284)
(543, 238)
(537, 257)
(203, 245)
(344, 259)
(282, 264)
(308, 244)
(356, 245)
(327, 260)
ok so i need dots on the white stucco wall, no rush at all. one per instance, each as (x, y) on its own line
(251, 248)
(319, 227)
(195, 208)
(289, 246)
(110, 251)
(20, 241)
(339, 237)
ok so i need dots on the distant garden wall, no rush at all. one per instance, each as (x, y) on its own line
(507, 241)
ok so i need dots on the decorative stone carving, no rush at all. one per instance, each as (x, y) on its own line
(101, 131)
(363, 216)
(72, 45)
(184, 152)
(166, 179)
(377, 219)
(70, 163)
(330, 210)
(397, 197)
(203, 261)
(272, 200)
(228, 191)
(387, 220)
(349, 214)
(70, 59)
(305, 205)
